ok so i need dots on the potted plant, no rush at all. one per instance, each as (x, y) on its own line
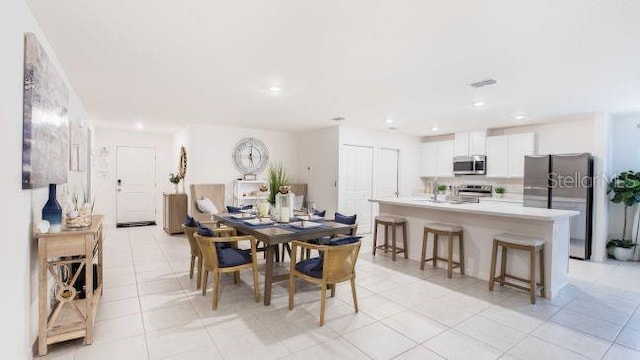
(277, 177)
(625, 188)
(499, 190)
(442, 189)
(621, 249)
(175, 180)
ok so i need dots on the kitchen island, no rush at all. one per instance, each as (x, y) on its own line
(481, 221)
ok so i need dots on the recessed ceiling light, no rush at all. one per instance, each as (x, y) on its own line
(435, 128)
(338, 118)
(478, 104)
(274, 89)
(519, 117)
(388, 121)
(139, 126)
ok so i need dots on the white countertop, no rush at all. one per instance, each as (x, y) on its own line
(493, 208)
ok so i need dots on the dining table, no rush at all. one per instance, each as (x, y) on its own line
(274, 234)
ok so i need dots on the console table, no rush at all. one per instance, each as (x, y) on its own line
(68, 257)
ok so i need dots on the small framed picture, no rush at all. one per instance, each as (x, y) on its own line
(250, 177)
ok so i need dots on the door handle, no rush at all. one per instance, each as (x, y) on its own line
(119, 182)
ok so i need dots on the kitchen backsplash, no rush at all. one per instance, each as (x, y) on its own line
(512, 186)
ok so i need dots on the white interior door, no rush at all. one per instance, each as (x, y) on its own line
(356, 180)
(135, 185)
(388, 172)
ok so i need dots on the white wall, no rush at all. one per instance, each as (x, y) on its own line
(209, 149)
(318, 156)
(19, 266)
(104, 183)
(410, 156)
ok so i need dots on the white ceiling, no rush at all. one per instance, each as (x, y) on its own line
(166, 63)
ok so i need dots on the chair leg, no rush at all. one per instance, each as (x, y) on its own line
(405, 241)
(435, 250)
(333, 290)
(256, 288)
(292, 289)
(386, 238)
(393, 242)
(205, 278)
(461, 241)
(424, 249)
(543, 290)
(532, 275)
(199, 279)
(193, 261)
(323, 302)
(494, 256)
(236, 277)
(216, 288)
(353, 293)
(375, 237)
(450, 257)
(503, 265)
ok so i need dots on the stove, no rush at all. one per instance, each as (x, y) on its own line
(475, 190)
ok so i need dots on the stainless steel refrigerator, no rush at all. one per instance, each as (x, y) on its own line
(563, 182)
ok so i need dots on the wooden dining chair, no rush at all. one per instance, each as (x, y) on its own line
(337, 265)
(339, 218)
(196, 254)
(221, 260)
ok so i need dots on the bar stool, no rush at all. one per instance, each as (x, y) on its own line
(518, 242)
(446, 230)
(393, 222)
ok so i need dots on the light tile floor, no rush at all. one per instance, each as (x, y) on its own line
(151, 310)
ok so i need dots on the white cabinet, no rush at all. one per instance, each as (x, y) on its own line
(505, 154)
(470, 143)
(245, 192)
(519, 146)
(497, 156)
(437, 159)
(478, 142)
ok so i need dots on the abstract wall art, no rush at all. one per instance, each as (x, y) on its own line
(45, 134)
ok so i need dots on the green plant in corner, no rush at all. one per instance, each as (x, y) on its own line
(625, 188)
(277, 176)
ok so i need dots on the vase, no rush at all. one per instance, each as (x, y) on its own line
(175, 186)
(52, 212)
(622, 254)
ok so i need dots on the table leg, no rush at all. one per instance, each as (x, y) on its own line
(268, 273)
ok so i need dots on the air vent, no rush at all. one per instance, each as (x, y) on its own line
(482, 83)
(392, 128)
(339, 118)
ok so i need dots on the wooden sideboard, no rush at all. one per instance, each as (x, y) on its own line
(175, 211)
(66, 256)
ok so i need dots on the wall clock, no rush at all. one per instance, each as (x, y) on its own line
(250, 156)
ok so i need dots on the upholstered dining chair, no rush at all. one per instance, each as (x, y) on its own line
(190, 227)
(221, 260)
(337, 265)
(339, 218)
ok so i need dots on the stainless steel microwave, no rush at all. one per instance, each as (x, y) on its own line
(470, 165)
